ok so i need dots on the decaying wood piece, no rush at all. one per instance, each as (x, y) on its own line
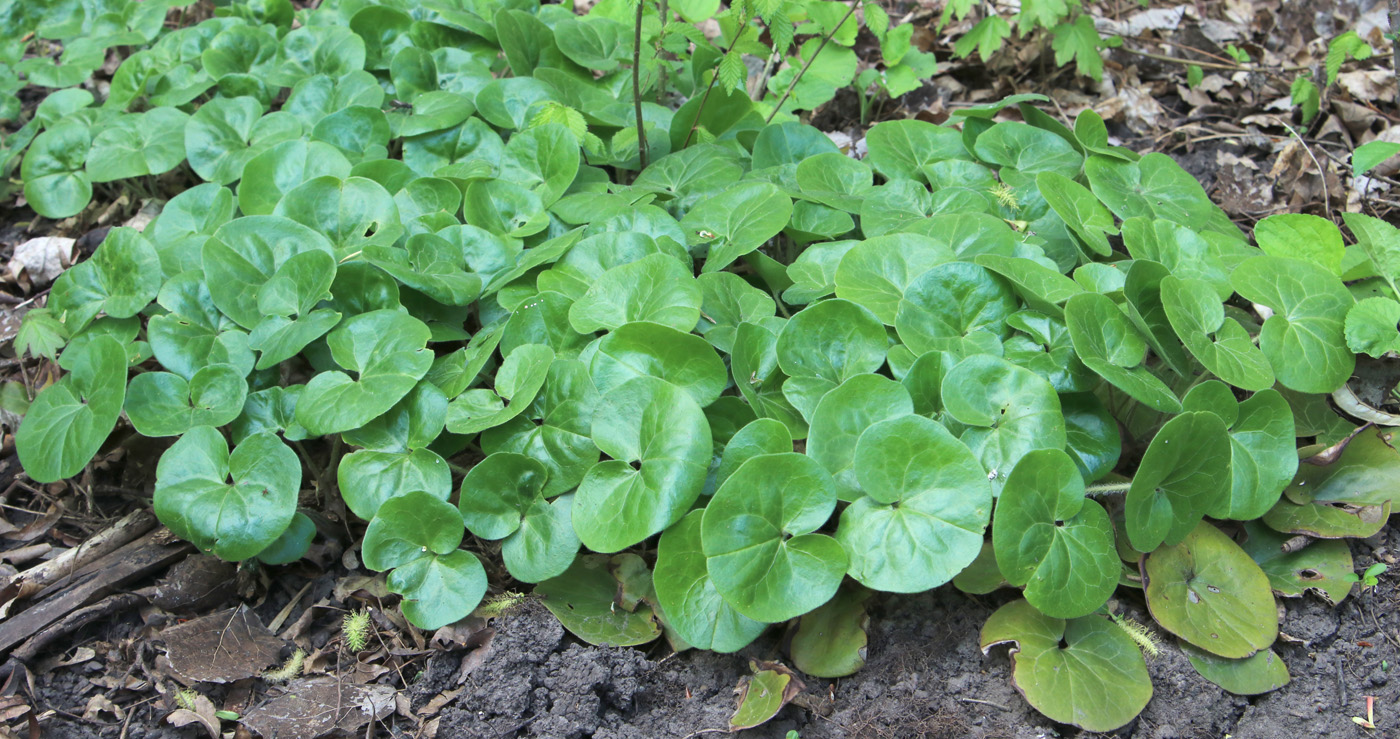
(91, 582)
(33, 581)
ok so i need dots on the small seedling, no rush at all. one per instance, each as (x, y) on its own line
(1371, 577)
(1370, 721)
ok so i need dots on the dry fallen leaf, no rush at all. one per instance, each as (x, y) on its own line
(203, 714)
(221, 647)
(37, 262)
(313, 707)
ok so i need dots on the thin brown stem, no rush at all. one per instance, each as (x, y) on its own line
(714, 77)
(825, 40)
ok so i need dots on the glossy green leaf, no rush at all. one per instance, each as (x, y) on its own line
(439, 589)
(386, 349)
(1111, 346)
(875, 273)
(1009, 410)
(67, 422)
(956, 307)
(1373, 326)
(757, 534)
(1260, 673)
(1086, 672)
(233, 520)
(831, 641)
(660, 447)
(225, 133)
(1206, 590)
(737, 221)
(926, 508)
(1324, 567)
(55, 184)
(843, 414)
(122, 278)
(352, 213)
(902, 149)
(1184, 473)
(165, 404)
(1304, 339)
(282, 168)
(1052, 540)
(688, 597)
(653, 350)
(656, 288)
(1262, 448)
(293, 544)
(1220, 343)
(833, 340)
(518, 382)
(545, 545)
(133, 146)
(1302, 236)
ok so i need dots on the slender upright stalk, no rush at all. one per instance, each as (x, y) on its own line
(661, 86)
(637, 85)
(825, 40)
(696, 121)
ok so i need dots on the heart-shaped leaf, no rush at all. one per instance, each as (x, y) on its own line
(121, 279)
(757, 534)
(653, 350)
(1324, 567)
(232, 519)
(831, 641)
(656, 288)
(928, 503)
(1220, 343)
(688, 597)
(1184, 472)
(1262, 448)
(843, 414)
(387, 350)
(1052, 540)
(876, 272)
(1010, 411)
(833, 340)
(1109, 345)
(583, 599)
(518, 381)
(1305, 337)
(660, 446)
(67, 422)
(165, 404)
(737, 221)
(1206, 590)
(1086, 672)
(956, 307)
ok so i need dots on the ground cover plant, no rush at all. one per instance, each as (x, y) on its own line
(712, 376)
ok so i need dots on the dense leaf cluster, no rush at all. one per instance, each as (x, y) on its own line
(800, 374)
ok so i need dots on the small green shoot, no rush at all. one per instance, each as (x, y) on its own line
(356, 628)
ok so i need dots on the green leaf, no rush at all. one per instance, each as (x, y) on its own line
(1086, 672)
(737, 221)
(1010, 412)
(928, 503)
(1052, 540)
(840, 418)
(877, 272)
(1323, 567)
(592, 42)
(225, 133)
(650, 349)
(904, 149)
(195, 334)
(439, 589)
(409, 527)
(656, 288)
(430, 264)
(1368, 155)
(1155, 186)
(1260, 673)
(121, 279)
(352, 213)
(773, 567)
(1302, 236)
(956, 307)
(165, 404)
(1304, 94)
(248, 253)
(40, 334)
(557, 429)
(1108, 344)
(728, 300)
(68, 421)
(761, 436)
(985, 38)
(583, 600)
(291, 546)
(760, 698)
(1206, 590)
(1081, 211)
(660, 447)
(518, 382)
(831, 641)
(688, 597)
(133, 146)
(1028, 149)
(369, 478)
(497, 493)
(835, 180)
(1304, 339)
(279, 170)
(55, 184)
(545, 545)
(386, 348)
(1371, 326)
(1262, 448)
(186, 222)
(1079, 41)
(233, 520)
(1184, 472)
(544, 159)
(1347, 45)
(832, 340)
(1220, 343)
(1328, 519)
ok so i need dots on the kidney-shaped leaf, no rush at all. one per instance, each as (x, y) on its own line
(737, 221)
(928, 503)
(1053, 541)
(651, 349)
(843, 414)
(688, 597)
(1184, 472)
(584, 599)
(1010, 411)
(165, 404)
(1305, 338)
(1220, 343)
(659, 427)
(1260, 673)
(387, 348)
(68, 421)
(757, 534)
(246, 253)
(956, 307)
(833, 340)
(1108, 344)
(233, 520)
(656, 288)
(1086, 672)
(408, 527)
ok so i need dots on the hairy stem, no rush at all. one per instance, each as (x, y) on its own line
(1107, 488)
(637, 84)
(825, 40)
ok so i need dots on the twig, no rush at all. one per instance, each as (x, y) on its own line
(1326, 197)
(714, 77)
(637, 85)
(982, 702)
(825, 40)
(1211, 65)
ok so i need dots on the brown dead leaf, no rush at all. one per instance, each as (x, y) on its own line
(203, 714)
(195, 583)
(1372, 84)
(313, 707)
(39, 526)
(221, 647)
(100, 708)
(38, 262)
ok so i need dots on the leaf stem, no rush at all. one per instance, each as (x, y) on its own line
(825, 40)
(637, 85)
(714, 77)
(1107, 488)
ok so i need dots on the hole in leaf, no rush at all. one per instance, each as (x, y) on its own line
(1309, 574)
